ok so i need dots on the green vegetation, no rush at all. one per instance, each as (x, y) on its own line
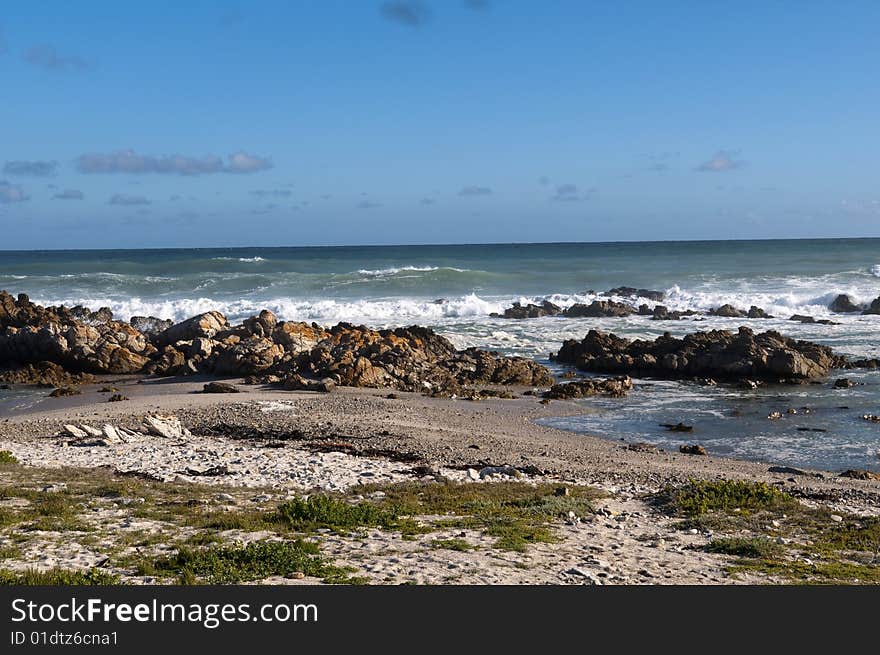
(750, 547)
(452, 544)
(7, 457)
(702, 496)
(255, 561)
(92, 577)
(771, 534)
(192, 533)
(318, 511)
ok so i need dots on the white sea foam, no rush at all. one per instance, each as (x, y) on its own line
(875, 270)
(380, 311)
(247, 260)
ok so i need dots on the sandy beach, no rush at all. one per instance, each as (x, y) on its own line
(265, 446)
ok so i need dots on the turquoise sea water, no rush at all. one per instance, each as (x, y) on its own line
(455, 288)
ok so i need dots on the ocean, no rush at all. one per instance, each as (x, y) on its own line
(454, 288)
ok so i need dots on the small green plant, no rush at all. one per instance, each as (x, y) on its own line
(7, 457)
(91, 577)
(452, 544)
(746, 547)
(316, 512)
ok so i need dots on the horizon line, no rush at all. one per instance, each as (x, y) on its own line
(434, 245)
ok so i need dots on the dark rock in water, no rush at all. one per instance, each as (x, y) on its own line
(299, 383)
(5, 387)
(873, 418)
(518, 310)
(728, 311)
(859, 474)
(614, 387)
(757, 312)
(809, 319)
(811, 430)
(874, 307)
(220, 387)
(677, 427)
(632, 292)
(864, 363)
(64, 391)
(719, 354)
(843, 304)
(693, 449)
(662, 313)
(117, 397)
(843, 383)
(598, 309)
(150, 325)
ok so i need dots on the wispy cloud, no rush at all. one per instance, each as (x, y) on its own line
(124, 199)
(427, 201)
(722, 161)
(12, 193)
(31, 168)
(242, 162)
(69, 194)
(411, 13)
(271, 193)
(475, 191)
(128, 161)
(367, 204)
(45, 56)
(570, 193)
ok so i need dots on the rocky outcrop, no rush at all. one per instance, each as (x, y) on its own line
(873, 308)
(718, 354)
(632, 292)
(662, 313)
(757, 312)
(409, 359)
(202, 326)
(599, 309)
(728, 311)
(843, 304)
(262, 347)
(800, 318)
(45, 374)
(518, 310)
(614, 387)
(150, 325)
(30, 334)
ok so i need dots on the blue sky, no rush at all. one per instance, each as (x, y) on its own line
(168, 124)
